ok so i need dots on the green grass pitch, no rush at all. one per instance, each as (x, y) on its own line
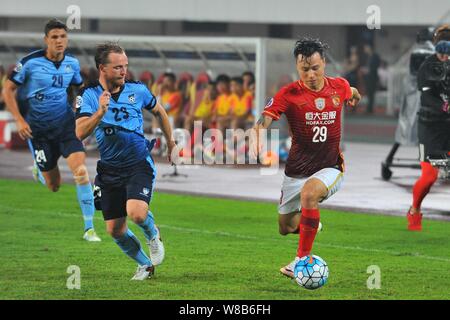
(215, 249)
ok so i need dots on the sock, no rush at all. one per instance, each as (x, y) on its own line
(36, 171)
(423, 185)
(86, 201)
(148, 226)
(131, 246)
(309, 223)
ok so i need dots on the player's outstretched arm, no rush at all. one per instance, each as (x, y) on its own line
(9, 96)
(164, 123)
(86, 125)
(263, 122)
(356, 97)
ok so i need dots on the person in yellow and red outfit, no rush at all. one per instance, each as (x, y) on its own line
(171, 98)
(241, 102)
(221, 113)
(249, 80)
(205, 107)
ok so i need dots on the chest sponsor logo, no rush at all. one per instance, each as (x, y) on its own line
(319, 103)
(320, 118)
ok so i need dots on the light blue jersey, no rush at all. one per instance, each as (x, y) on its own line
(120, 134)
(44, 85)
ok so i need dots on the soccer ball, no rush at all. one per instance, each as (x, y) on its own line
(311, 272)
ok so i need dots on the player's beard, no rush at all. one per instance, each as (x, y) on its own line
(119, 82)
(115, 83)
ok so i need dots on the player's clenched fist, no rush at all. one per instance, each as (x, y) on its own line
(355, 98)
(103, 102)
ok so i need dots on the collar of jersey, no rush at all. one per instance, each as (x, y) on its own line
(57, 64)
(116, 95)
(302, 85)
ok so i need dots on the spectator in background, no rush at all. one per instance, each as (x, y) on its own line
(371, 76)
(205, 107)
(202, 97)
(249, 80)
(89, 76)
(249, 86)
(241, 102)
(383, 74)
(130, 75)
(351, 67)
(148, 79)
(222, 114)
(2, 80)
(84, 71)
(184, 85)
(171, 98)
(157, 86)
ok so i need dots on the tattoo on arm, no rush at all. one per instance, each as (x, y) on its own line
(264, 121)
(260, 120)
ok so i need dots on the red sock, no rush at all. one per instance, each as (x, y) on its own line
(309, 223)
(422, 186)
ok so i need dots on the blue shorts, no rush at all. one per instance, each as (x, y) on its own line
(51, 144)
(118, 185)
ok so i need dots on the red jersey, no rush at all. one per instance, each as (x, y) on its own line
(315, 122)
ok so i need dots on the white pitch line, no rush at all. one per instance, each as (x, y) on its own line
(241, 236)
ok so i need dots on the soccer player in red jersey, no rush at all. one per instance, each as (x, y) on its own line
(315, 166)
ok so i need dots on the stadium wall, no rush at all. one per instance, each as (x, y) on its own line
(399, 12)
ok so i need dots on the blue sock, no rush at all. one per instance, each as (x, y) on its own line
(131, 246)
(86, 201)
(148, 226)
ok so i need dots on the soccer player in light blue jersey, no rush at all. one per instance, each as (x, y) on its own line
(126, 171)
(44, 76)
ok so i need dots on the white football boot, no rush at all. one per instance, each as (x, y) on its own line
(156, 248)
(143, 272)
(288, 270)
(91, 236)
